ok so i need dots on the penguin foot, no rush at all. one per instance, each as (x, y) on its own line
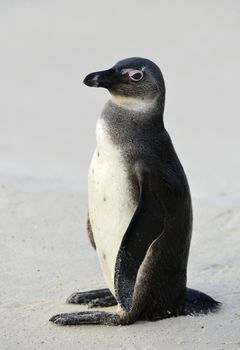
(199, 303)
(87, 317)
(93, 298)
(103, 302)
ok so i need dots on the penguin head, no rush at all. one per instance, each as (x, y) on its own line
(132, 82)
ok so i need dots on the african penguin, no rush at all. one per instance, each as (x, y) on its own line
(140, 212)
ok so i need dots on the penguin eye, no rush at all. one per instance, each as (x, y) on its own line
(136, 75)
(133, 74)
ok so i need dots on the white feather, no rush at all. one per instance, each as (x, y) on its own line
(110, 204)
(134, 103)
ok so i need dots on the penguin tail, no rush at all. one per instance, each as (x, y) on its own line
(198, 303)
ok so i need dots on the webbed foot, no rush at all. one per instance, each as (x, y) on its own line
(93, 298)
(86, 317)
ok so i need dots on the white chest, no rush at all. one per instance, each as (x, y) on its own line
(110, 205)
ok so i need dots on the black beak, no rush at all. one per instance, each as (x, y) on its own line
(105, 79)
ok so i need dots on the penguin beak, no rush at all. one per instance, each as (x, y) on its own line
(105, 79)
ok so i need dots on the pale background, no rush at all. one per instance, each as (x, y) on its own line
(47, 122)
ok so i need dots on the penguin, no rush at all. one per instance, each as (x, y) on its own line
(140, 211)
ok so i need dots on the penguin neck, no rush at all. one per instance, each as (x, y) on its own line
(135, 104)
(116, 114)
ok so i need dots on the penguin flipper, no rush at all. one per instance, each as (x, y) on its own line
(90, 233)
(145, 226)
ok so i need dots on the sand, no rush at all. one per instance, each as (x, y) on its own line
(47, 121)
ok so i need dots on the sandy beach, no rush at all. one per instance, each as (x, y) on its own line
(47, 136)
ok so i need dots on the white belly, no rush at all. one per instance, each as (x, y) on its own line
(110, 204)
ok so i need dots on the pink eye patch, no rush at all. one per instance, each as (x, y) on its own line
(134, 74)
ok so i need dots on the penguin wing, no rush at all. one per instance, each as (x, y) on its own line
(145, 226)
